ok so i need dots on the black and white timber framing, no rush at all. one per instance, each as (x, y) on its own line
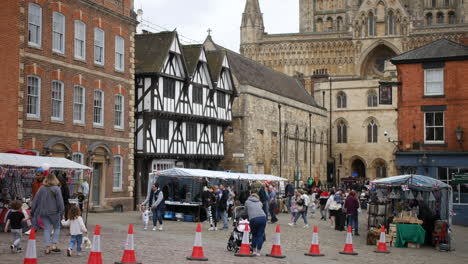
(181, 110)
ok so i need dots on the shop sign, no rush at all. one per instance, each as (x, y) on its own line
(461, 178)
(238, 155)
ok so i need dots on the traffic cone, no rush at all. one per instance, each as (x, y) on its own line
(197, 252)
(382, 247)
(276, 248)
(129, 252)
(245, 246)
(31, 254)
(95, 256)
(314, 247)
(348, 249)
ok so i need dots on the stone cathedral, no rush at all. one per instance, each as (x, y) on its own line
(351, 41)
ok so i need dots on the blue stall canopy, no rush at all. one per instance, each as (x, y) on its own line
(416, 182)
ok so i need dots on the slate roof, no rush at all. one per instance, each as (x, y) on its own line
(191, 55)
(151, 51)
(249, 72)
(439, 50)
(215, 60)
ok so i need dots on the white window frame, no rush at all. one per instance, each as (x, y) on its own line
(101, 115)
(59, 100)
(78, 173)
(120, 117)
(439, 70)
(119, 53)
(38, 24)
(117, 173)
(99, 61)
(81, 39)
(443, 126)
(57, 32)
(38, 103)
(83, 104)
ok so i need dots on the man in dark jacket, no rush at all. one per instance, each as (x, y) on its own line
(157, 204)
(264, 198)
(351, 206)
(222, 205)
(289, 190)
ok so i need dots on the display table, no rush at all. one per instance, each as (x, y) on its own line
(409, 233)
(193, 208)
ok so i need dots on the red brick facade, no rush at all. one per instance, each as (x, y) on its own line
(411, 99)
(97, 143)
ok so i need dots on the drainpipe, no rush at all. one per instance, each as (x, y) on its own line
(280, 141)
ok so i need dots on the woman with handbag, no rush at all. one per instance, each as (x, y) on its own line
(332, 207)
(302, 202)
(48, 204)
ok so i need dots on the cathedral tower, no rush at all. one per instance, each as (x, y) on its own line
(252, 27)
(306, 15)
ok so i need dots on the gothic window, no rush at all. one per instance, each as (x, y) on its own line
(380, 169)
(433, 3)
(372, 132)
(391, 23)
(330, 24)
(372, 99)
(447, 3)
(339, 24)
(440, 18)
(319, 25)
(342, 133)
(371, 25)
(429, 19)
(451, 17)
(341, 100)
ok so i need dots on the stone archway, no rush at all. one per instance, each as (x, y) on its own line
(374, 63)
(358, 167)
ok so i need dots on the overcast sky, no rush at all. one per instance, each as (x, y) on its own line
(192, 18)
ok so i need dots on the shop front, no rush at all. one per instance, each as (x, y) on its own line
(444, 166)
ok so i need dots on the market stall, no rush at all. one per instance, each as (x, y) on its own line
(415, 209)
(183, 187)
(18, 173)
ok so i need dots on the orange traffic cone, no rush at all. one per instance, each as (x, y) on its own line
(314, 246)
(245, 246)
(276, 248)
(95, 257)
(348, 249)
(31, 254)
(129, 252)
(382, 247)
(197, 252)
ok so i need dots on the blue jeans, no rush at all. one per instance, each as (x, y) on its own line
(353, 221)
(224, 216)
(76, 239)
(303, 214)
(157, 216)
(265, 208)
(258, 225)
(51, 221)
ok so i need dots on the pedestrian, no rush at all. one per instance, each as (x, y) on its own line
(264, 198)
(230, 202)
(258, 220)
(294, 206)
(331, 209)
(77, 228)
(37, 182)
(65, 192)
(48, 205)
(83, 191)
(209, 203)
(351, 206)
(157, 204)
(273, 204)
(340, 216)
(15, 220)
(323, 198)
(289, 195)
(312, 202)
(145, 213)
(302, 202)
(222, 205)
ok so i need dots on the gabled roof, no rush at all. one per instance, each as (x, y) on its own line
(439, 50)
(151, 50)
(215, 60)
(192, 55)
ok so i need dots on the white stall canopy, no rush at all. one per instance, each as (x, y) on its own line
(15, 160)
(196, 173)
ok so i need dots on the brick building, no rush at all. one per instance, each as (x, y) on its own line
(432, 115)
(68, 87)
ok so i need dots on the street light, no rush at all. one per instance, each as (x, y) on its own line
(459, 134)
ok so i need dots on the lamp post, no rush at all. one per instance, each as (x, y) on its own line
(459, 134)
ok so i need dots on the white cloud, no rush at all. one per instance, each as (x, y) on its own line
(192, 18)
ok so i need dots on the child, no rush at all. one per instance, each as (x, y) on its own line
(77, 228)
(145, 217)
(15, 218)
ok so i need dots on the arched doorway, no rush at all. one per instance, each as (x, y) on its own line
(358, 167)
(374, 63)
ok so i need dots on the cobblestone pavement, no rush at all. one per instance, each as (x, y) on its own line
(175, 243)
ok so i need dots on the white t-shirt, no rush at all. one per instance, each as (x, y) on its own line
(77, 226)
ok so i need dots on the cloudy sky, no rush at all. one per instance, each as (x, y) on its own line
(192, 18)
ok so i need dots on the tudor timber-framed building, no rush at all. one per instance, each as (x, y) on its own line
(183, 105)
(352, 39)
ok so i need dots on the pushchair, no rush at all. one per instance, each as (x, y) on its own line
(239, 223)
